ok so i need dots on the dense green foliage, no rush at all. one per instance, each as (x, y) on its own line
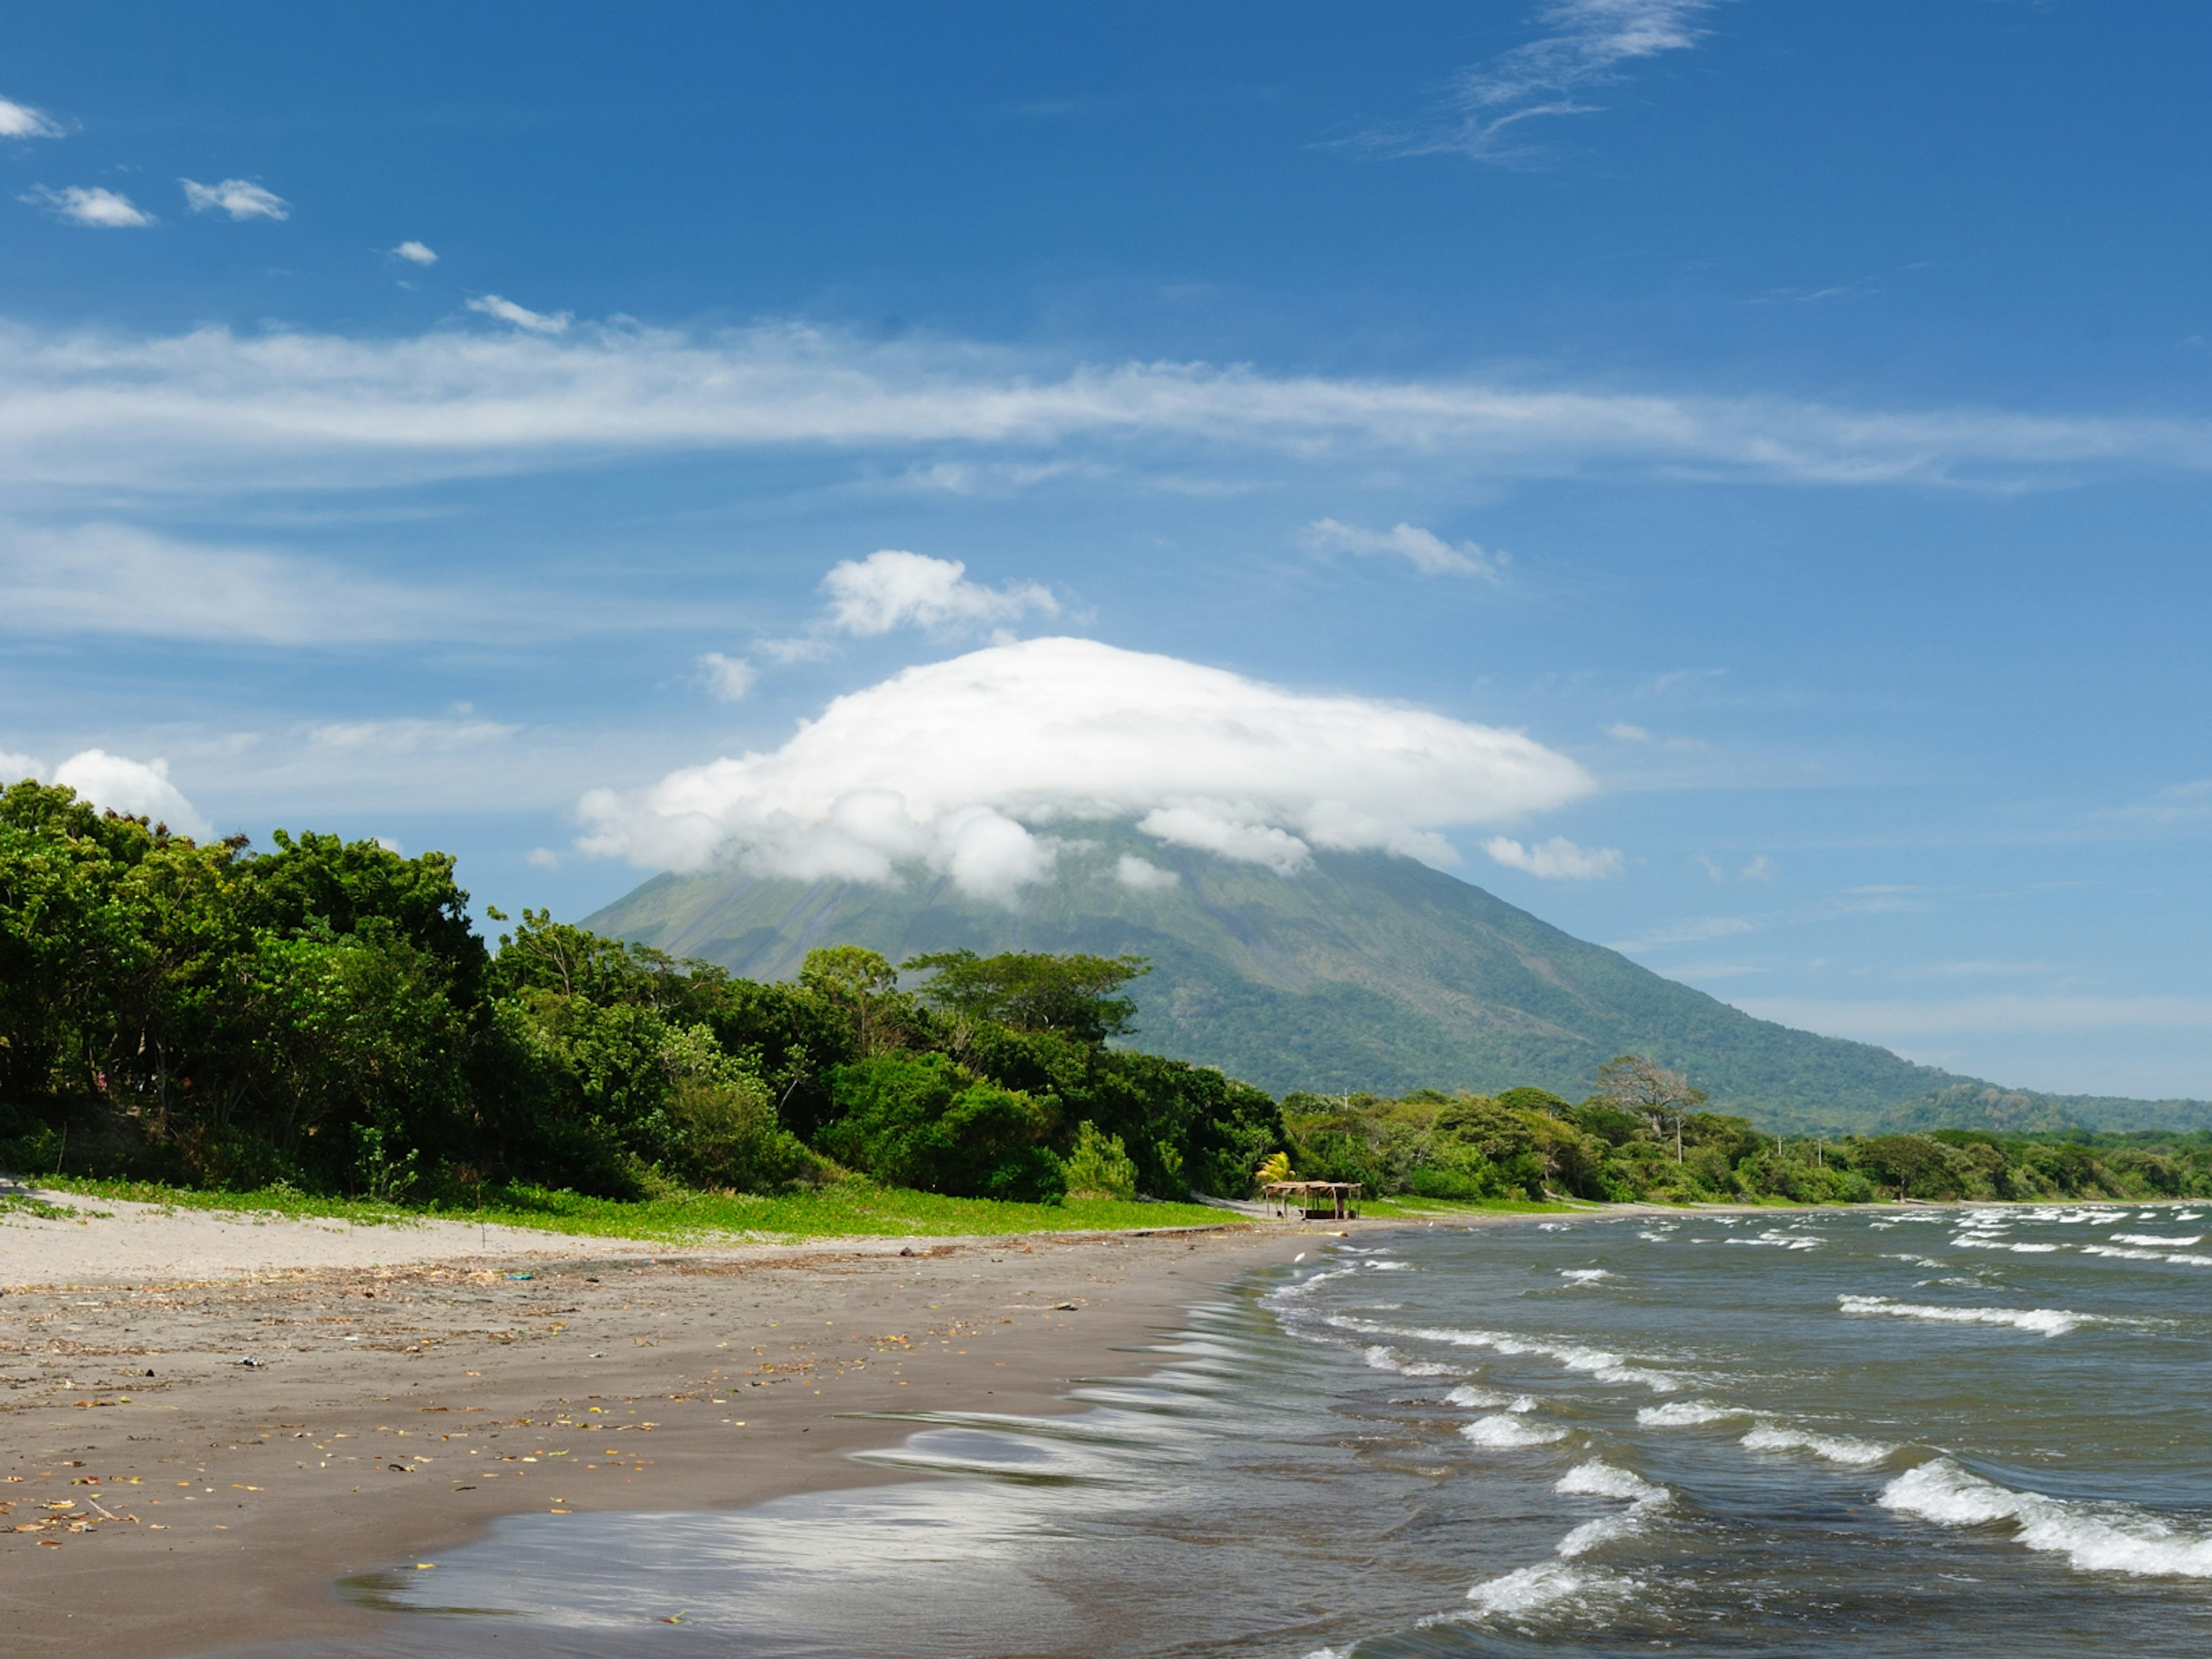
(1526, 1143)
(324, 1016)
(323, 1019)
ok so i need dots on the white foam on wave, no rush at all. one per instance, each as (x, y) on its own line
(1504, 1432)
(2046, 1321)
(2093, 1537)
(1686, 1414)
(1548, 1587)
(1787, 1241)
(1389, 1359)
(1835, 1448)
(2124, 1253)
(2155, 1239)
(1598, 1479)
(1984, 1241)
(1605, 1365)
(1583, 1275)
(1667, 1237)
(1468, 1394)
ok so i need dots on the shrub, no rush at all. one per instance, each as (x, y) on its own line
(924, 1121)
(1099, 1167)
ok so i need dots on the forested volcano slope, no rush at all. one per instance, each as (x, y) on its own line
(1363, 972)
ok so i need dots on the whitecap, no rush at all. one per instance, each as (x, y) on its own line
(1502, 1432)
(2048, 1322)
(1598, 1479)
(2093, 1537)
(1786, 1241)
(1657, 1238)
(1606, 1366)
(2154, 1238)
(1687, 1413)
(1468, 1394)
(1835, 1448)
(1978, 1241)
(1389, 1359)
(1584, 1275)
(1549, 1586)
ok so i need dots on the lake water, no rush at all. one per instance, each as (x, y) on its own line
(1926, 1433)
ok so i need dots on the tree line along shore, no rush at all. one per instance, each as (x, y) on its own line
(324, 1018)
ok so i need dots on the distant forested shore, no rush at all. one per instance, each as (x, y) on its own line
(323, 1017)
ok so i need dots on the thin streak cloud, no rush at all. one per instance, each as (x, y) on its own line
(213, 409)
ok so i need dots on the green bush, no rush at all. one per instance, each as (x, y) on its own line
(1099, 1166)
(924, 1121)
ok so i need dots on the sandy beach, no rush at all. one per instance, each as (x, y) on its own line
(208, 1421)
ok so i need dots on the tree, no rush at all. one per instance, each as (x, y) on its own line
(1071, 996)
(1650, 1089)
(863, 985)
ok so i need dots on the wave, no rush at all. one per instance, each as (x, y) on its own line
(1976, 1242)
(2048, 1322)
(2093, 1537)
(1468, 1395)
(1605, 1365)
(1547, 1587)
(1598, 1479)
(1504, 1431)
(1786, 1241)
(1835, 1448)
(1586, 1275)
(1687, 1413)
(2155, 1239)
(1389, 1359)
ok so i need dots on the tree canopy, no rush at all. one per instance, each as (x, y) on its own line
(1071, 996)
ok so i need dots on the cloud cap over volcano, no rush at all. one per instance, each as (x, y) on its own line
(954, 764)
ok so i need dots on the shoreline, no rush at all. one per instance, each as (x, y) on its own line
(394, 1409)
(397, 1407)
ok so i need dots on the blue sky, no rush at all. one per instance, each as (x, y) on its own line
(1796, 416)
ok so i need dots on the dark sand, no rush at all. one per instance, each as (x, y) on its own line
(214, 1503)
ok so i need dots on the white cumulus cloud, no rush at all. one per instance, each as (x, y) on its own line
(1142, 875)
(1429, 553)
(21, 121)
(727, 678)
(139, 787)
(535, 322)
(956, 765)
(891, 589)
(1556, 859)
(93, 204)
(14, 768)
(241, 198)
(415, 252)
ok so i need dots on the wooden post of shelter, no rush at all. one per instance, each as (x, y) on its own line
(1316, 1200)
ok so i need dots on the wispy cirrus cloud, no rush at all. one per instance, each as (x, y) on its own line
(1426, 551)
(90, 205)
(241, 198)
(505, 310)
(1588, 44)
(213, 409)
(113, 581)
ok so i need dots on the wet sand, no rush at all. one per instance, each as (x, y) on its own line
(169, 1497)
